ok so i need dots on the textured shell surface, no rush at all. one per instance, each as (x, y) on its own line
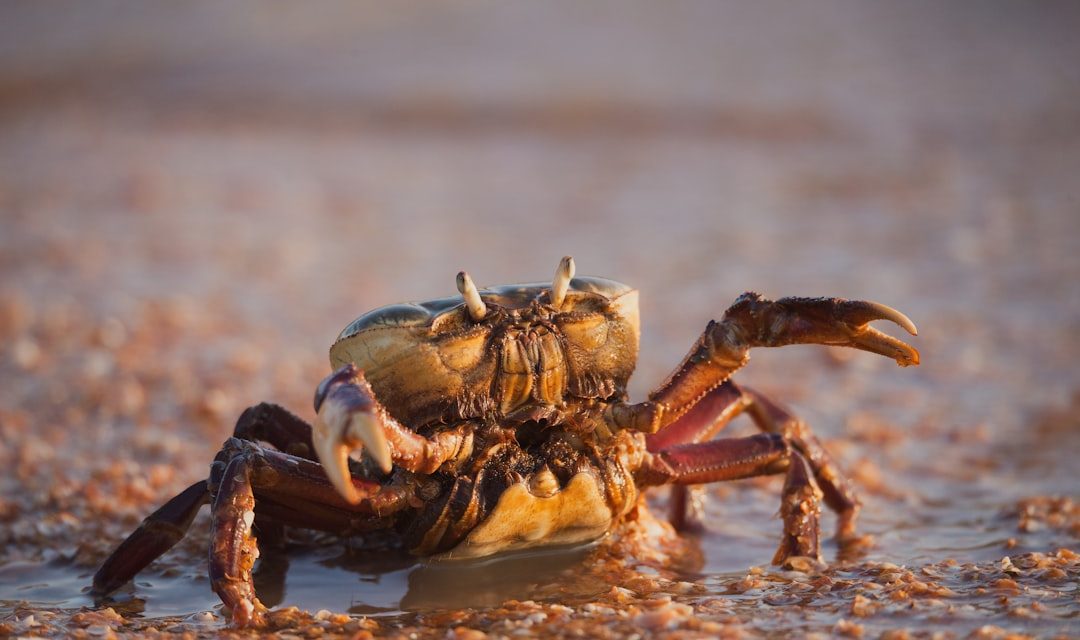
(509, 296)
(430, 362)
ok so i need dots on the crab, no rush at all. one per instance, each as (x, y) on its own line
(498, 420)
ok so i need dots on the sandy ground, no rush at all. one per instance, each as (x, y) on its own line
(195, 200)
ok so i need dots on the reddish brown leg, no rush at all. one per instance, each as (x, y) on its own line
(232, 546)
(800, 512)
(702, 422)
(838, 492)
(721, 405)
(737, 458)
(160, 531)
(295, 491)
(278, 426)
(686, 508)
(157, 534)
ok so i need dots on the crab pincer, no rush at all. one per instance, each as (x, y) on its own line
(828, 321)
(349, 418)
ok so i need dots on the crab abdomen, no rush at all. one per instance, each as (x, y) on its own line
(522, 520)
(482, 514)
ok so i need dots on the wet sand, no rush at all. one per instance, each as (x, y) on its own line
(194, 202)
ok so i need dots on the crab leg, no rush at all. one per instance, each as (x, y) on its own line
(278, 426)
(755, 322)
(157, 534)
(837, 490)
(721, 405)
(233, 550)
(282, 477)
(350, 418)
(161, 530)
(245, 475)
(291, 488)
(703, 421)
(707, 417)
(738, 458)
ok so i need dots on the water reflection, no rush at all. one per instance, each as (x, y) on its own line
(388, 582)
(333, 577)
(330, 576)
(489, 582)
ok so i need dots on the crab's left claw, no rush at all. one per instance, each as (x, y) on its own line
(860, 313)
(349, 418)
(831, 321)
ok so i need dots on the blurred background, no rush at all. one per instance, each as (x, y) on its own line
(196, 198)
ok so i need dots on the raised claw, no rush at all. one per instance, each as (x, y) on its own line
(757, 322)
(348, 419)
(834, 321)
(860, 313)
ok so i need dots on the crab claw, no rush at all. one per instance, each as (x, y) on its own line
(857, 314)
(349, 418)
(832, 321)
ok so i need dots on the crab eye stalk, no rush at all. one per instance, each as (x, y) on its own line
(564, 273)
(473, 303)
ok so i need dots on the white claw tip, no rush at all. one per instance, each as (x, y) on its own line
(564, 273)
(365, 428)
(332, 452)
(900, 319)
(475, 305)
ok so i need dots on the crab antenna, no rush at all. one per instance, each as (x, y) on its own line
(475, 305)
(563, 274)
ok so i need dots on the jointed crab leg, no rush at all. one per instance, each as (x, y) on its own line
(800, 512)
(835, 487)
(737, 458)
(245, 471)
(278, 426)
(232, 546)
(283, 477)
(247, 478)
(722, 404)
(703, 420)
(350, 418)
(755, 322)
(157, 534)
(166, 526)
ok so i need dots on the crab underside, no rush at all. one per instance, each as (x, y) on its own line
(498, 420)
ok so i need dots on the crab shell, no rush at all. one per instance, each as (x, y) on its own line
(430, 362)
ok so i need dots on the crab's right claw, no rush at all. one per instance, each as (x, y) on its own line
(349, 418)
